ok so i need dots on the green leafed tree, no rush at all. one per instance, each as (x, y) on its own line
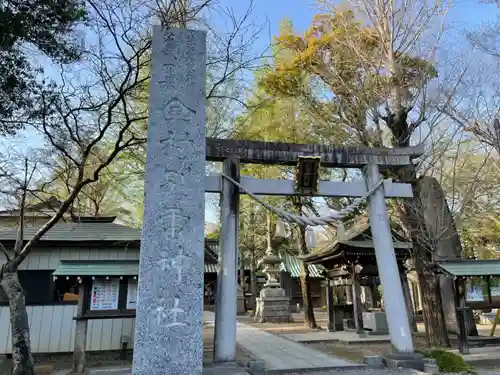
(362, 73)
(280, 120)
(31, 27)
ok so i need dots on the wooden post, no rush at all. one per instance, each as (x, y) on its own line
(356, 299)
(329, 305)
(374, 290)
(79, 357)
(463, 345)
(495, 322)
(488, 281)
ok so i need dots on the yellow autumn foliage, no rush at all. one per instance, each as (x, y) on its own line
(339, 55)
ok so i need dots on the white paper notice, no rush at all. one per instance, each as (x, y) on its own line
(132, 294)
(105, 294)
(475, 294)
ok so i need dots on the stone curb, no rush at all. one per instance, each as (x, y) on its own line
(307, 370)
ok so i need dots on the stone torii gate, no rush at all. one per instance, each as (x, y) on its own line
(169, 316)
(370, 160)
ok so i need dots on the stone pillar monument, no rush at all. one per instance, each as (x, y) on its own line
(169, 320)
(273, 304)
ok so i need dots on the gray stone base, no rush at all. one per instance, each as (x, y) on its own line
(374, 361)
(273, 310)
(413, 361)
(240, 302)
(257, 367)
(273, 306)
(431, 368)
(240, 306)
(211, 369)
(378, 333)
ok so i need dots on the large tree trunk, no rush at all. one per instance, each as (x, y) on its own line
(253, 279)
(242, 278)
(432, 309)
(412, 216)
(440, 225)
(309, 318)
(22, 360)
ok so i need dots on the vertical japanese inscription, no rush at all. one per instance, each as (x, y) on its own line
(163, 314)
(175, 223)
(170, 312)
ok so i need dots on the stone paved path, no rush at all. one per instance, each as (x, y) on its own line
(280, 353)
(114, 371)
(339, 336)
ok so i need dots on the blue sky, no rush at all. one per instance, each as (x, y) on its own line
(466, 14)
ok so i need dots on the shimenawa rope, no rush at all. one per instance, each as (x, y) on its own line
(306, 220)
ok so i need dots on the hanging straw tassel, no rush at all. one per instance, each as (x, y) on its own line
(280, 229)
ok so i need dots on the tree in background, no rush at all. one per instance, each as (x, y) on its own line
(86, 121)
(252, 242)
(229, 57)
(475, 107)
(104, 197)
(74, 119)
(29, 27)
(368, 82)
(282, 120)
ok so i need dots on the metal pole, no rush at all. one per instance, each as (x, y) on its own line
(225, 308)
(394, 302)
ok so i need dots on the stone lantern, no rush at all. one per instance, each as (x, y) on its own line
(273, 305)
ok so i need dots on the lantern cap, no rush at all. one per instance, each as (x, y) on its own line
(270, 259)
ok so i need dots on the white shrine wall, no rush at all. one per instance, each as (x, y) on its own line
(52, 328)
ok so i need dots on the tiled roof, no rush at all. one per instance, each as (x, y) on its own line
(106, 268)
(291, 265)
(79, 232)
(97, 268)
(211, 250)
(489, 267)
(211, 268)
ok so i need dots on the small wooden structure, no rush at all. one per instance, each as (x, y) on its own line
(350, 262)
(107, 292)
(290, 281)
(476, 286)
